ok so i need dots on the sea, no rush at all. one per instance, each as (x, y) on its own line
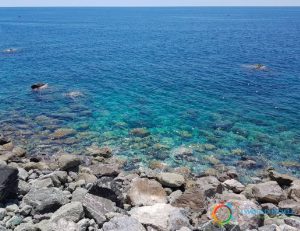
(183, 87)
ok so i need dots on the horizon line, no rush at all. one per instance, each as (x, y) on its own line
(147, 6)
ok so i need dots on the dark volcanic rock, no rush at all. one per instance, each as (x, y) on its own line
(8, 182)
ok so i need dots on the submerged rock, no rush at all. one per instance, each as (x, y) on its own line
(74, 94)
(10, 50)
(140, 132)
(63, 132)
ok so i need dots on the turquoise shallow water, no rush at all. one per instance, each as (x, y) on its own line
(183, 74)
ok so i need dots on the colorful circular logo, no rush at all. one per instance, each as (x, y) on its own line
(222, 213)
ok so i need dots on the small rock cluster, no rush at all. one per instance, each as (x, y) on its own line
(69, 193)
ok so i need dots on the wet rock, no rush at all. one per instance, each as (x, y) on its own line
(268, 192)
(182, 152)
(8, 182)
(63, 133)
(123, 223)
(38, 86)
(140, 132)
(68, 162)
(45, 200)
(105, 152)
(161, 217)
(70, 212)
(193, 199)
(172, 180)
(97, 207)
(146, 192)
(4, 140)
(100, 170)
(234, 185)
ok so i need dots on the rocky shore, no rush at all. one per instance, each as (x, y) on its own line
(84, 193)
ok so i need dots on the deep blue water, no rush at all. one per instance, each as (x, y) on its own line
(184, 74)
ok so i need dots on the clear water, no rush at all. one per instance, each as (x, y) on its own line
(181, 73)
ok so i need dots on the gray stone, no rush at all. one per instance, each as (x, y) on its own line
(68, 162)
(146, 192)
(79, 194)
(23, 174)
(14, 221)
(45, 200)
(26, 227)
(100, 170)
(294, 191)
(269, 228)
(25, 210)
(210, 185)
(234, 185)
(123, 223)
(23, 187)
(42, 183)
(293, 221)
(268, 192)
(193, 199)
(8, 182)
(70, 212)
(2, 213)
(83, 224)
(161, 216)
(172, 180)
(97, 207)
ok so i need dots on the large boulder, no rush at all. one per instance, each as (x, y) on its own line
(67, 162)
(161, 217)
(290, 206)
(193, 199)
(146, 192)
(281, 179)
(210, 185)
(70, 212)
(100, 170)
(234, 185)
(8, 182)
(294, 191)
(123, 223)
(109, 188)
(45, 200)
(268, 192)
(97, 207)
(172, 180)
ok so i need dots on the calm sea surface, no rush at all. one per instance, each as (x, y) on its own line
(184, 75)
